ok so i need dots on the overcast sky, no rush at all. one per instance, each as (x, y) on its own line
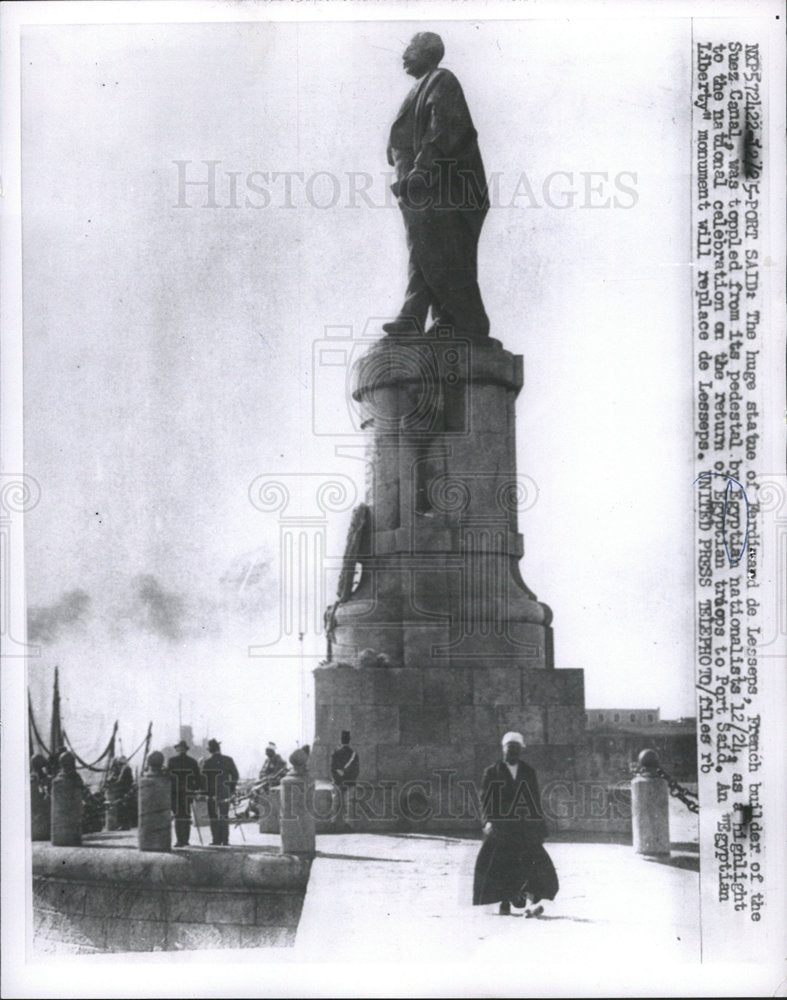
(171, 345)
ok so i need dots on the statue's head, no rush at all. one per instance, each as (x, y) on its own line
(423, 54)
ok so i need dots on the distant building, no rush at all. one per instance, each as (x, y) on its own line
(615, 737)
(621, 718)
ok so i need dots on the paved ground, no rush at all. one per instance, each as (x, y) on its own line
(380, 897)
(394, 897)
(388, 898)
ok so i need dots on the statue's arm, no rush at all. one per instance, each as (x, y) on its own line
(447, 124)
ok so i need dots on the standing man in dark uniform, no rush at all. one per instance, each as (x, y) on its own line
(443, 197)
(221, 776)
(345, 767)
(512, 867)
(186, 783)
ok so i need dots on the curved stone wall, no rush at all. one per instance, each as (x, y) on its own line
(112, 899)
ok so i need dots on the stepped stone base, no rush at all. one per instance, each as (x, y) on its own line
(425, 735)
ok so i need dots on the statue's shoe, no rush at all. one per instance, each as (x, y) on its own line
(447, 325)
(441, 326)
(405, 325)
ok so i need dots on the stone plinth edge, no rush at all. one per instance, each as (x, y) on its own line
(228, 869)
(421, 361)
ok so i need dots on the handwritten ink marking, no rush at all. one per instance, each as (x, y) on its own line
(269, 346)
(275, 357)
(730, 481)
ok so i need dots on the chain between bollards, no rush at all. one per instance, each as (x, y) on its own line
(648, 766)
(677, 791)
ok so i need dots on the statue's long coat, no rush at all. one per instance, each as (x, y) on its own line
(435, 127)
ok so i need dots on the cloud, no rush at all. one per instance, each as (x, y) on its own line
(234, 606)
(157, 610)
(46, 623)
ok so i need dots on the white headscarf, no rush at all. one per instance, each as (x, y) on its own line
(513, 738)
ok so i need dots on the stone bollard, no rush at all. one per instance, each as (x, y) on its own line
(112, 796)
(154, 832)
(67, 804)
(270, 808)
(296, 822)
(650, 808)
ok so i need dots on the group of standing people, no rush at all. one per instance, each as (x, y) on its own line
(512, 867)
(216, 778)
(113, 803)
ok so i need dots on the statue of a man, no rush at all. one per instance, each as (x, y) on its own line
(442, 192)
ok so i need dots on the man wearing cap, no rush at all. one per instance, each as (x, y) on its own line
(512, 867)
(186, 783)
(220, 777)
(345, 767)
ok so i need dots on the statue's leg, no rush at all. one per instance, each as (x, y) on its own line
(418, 296)
(467, 309)
(446, 252)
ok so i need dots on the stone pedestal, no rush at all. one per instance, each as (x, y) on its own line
(429, 732)
(441, 647)
(440, 583)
